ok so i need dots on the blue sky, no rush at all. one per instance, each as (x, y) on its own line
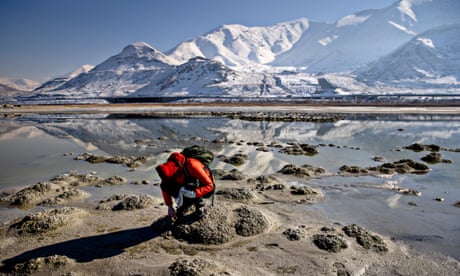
(41, 39)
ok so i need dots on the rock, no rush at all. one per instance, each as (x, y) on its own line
(303, 171)
(421, 147)
(406, 191)
(250, 222)
(303, 190)
(440, 199)
(294, 234)
(300, 149)
(65, 196)
(194, 267)
(329, 242)
(42, 264)
(365, 238)
(353, 169)
(46, 221)
(217, 227)
(240, 194)
(58, 190)
(378, 159)
(114, 180)
(341, 270)
(220, 225)
(401, 166)
(134, 202)
(434, 157)
(131, 161)
(234, 175)
(237, 159)
(457, 204)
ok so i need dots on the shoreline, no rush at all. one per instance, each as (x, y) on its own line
(132, 108)
(98, 238)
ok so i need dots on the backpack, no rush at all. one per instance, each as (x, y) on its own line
(175, 164)
(204, 156)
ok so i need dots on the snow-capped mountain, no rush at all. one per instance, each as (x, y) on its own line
(294, 58)
(19, 84)
(12, 87)
(238, 45)
(322, 47)
(431, 58)
(134, 67)
(60, 80)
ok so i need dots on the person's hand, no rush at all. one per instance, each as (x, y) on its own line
(171, 212)
(187, 193)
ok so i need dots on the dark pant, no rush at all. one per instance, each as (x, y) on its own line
(198, 202)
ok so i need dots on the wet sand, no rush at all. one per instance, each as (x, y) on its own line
(256, 227)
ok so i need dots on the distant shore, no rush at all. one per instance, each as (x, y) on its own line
(131, 108)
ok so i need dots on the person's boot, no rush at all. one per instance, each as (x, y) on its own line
(200, 212)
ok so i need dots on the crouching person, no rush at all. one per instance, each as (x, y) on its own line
(186, 178)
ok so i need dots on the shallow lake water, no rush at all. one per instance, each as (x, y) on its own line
(35, 148)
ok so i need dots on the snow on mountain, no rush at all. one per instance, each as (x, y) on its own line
(19, 84)
(429, 59)
(58, 81)
(134, 67)
(367, 35)
(15, 87)
(205, 77)
(298, 57)
(238, 45)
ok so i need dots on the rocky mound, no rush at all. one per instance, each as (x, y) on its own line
(237, 159)
(365, 238)
(435, 157)
(59, 190)
(127, 202)
(46, 221)
(305, 171)
(234, 174)
(300, 149)
(196, 266)
(221, 224)
(403, 166)
(236, 194)
(43, 264)
(129, 161)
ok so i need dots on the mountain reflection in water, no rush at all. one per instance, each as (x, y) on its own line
(37, 147)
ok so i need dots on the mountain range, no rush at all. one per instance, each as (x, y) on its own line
(412, 45)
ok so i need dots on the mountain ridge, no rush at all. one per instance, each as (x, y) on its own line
(292, 58)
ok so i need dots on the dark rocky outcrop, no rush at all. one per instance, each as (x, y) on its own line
(403, 166)
(435, 157)
(365, 238)
(304, 171)
(329, 242)
(300, 149)
(237, 159)
(421, 147)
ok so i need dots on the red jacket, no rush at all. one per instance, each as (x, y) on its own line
(195, 170)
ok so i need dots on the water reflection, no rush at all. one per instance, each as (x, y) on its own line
(34, 149)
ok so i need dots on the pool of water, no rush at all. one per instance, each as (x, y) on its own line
(35, 148)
